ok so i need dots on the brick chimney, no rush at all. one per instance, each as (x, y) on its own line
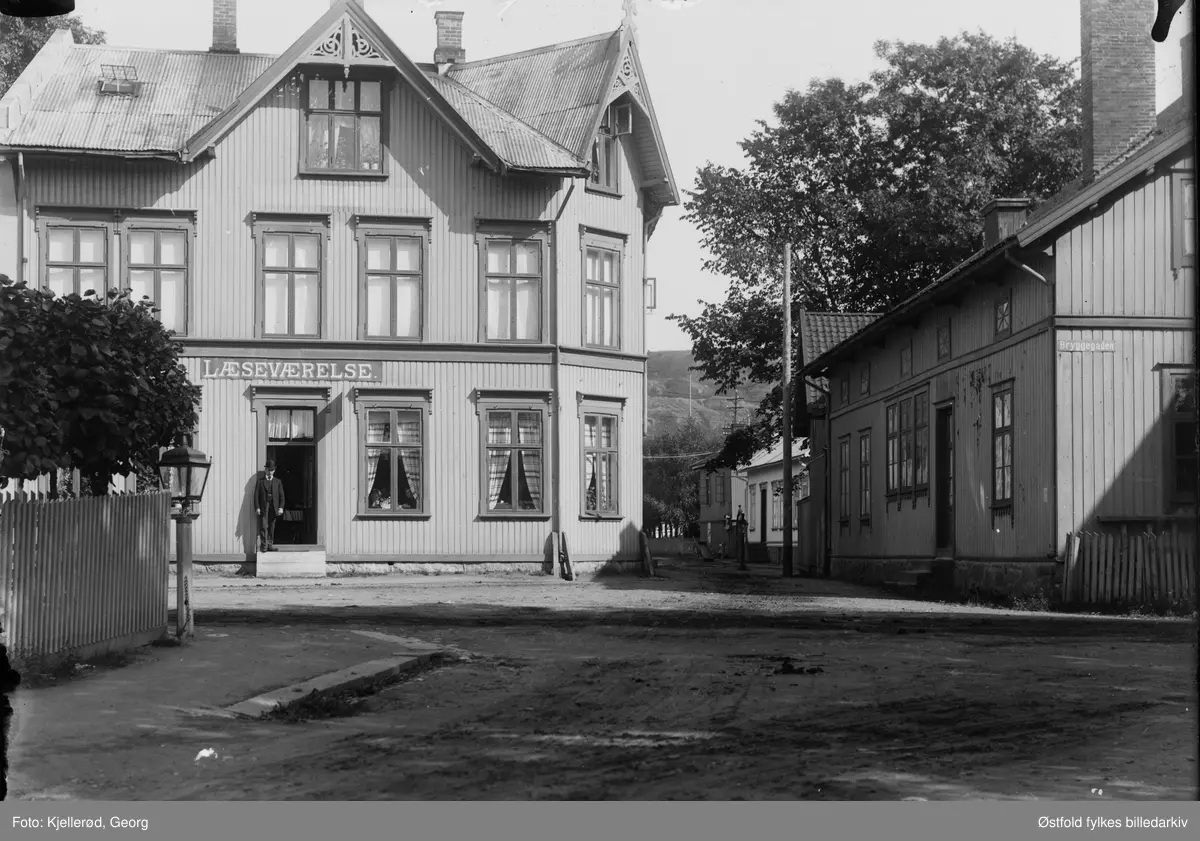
(1117, 62)
(1002, 218)
(449, 38)
(224, 27)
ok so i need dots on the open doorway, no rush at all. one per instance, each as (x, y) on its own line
(291, 443)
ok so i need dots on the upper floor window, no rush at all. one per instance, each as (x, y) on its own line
(906, 361)
(342, 127)
(156, 267)
(1002, 445)
(1003, 314)
(720, 486)
(606, 148)
(290, 270)
(514, 287)
(844, 383)
(805, 485)
(392, 268)
(707, 489)
(943, 340)
(864, 379)
(602, 291)
(76, 258)
(1181, 436)
(1183, 194)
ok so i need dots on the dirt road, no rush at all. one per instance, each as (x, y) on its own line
(704, 685)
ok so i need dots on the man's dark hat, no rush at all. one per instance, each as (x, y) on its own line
(269, 464)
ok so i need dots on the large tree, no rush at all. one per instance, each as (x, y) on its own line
(87, 384)
(21, 38)
(879, 186)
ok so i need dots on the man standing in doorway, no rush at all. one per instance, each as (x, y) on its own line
(268, 505)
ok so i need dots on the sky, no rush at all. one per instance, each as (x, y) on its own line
(713, 67)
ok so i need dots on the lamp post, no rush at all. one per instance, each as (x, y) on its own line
(184, 470)
(788, 571)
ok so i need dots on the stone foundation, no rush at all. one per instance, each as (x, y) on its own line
(583, 569)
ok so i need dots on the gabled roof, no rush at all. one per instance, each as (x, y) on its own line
(820, 331)
(774, 455)
(534, 111)
(562, 91)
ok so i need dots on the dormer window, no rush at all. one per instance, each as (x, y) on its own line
(342, 122)
(617, 122)
(118, 80)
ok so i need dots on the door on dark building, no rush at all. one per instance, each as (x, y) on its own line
(291, 442)
(944, 477)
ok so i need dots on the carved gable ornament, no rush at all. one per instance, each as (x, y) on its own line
(346, 46)
(627, 78)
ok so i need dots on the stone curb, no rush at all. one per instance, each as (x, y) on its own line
(354, 677)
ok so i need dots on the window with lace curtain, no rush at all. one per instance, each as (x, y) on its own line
(513, 459)
(342, 127)
(395, 460)
(601, 458)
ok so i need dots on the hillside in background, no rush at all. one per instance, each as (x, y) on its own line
(668, 377)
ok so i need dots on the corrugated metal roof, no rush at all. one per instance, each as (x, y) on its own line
(181, 92)
(555, 89)
(517, 144)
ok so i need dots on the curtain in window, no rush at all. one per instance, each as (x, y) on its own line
(604, 483)
(531, 476)
(302, 424)
(410, 476)
(368, 143)
(528, 305)
(589, 480)
(498, 467)
(378, 478)
(279, 424)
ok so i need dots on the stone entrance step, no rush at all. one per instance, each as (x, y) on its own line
(290, 562)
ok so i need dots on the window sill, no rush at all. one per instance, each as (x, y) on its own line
(612, 192)
(602, 517)
(350, 174)
(1000, 507)
(393, 515)
(408, 340)
(514, 515)
(289, 337)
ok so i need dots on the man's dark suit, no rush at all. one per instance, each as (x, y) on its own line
(268, 501)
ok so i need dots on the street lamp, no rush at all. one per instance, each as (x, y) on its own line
(184, 470)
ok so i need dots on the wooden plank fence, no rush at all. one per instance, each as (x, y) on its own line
(84, 576)
(1130, 569)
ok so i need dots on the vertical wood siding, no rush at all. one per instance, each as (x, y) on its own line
(1111, 443)
(430, 175)
(1117, 261)
(904, 528)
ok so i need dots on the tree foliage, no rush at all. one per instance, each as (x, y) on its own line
(879, 186)
(669, 489)
(21, 38)
(87, 384)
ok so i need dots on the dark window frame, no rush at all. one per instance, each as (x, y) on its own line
(892, 437)
(921, 407)
(392, 231)
(864, 476)
(157, 227)
(944, 329)
(1002, 314)
(598, 410)
(1181, 183)
(264, 228)
(605, 176)
(1000, 433)
(485, 406)
(616, 247)
(367, 401)
(306, 112)
(906, 355)
(845, 389)
(513, 234)
(720, 486)
(75, 224)
(864, 380)
(844, 479)
(1174, 418)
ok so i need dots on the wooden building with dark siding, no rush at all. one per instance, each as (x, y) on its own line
(417, 286)
(1047, 384)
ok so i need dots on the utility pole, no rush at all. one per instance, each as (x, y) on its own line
(787, 411)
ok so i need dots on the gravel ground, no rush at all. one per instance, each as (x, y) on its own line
(705, 683)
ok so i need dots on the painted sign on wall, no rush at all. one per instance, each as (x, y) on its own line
(1069, 345)
(291, 369)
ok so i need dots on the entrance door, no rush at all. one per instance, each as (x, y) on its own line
(292, 445)
(944, 491)
(762, 514)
